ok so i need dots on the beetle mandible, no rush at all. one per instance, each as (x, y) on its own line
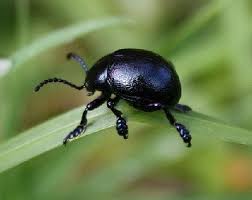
(142, 78)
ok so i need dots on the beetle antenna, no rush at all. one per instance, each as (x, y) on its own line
(59, 80)
(78, 59)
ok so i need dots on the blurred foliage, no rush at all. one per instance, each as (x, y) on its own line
(209, 41)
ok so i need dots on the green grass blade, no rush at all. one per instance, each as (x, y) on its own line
(62, 36)
(46, 137)
(50, 134)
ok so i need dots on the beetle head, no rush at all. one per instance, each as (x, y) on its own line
(96, 79)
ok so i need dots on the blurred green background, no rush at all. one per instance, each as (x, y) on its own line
(210, 43)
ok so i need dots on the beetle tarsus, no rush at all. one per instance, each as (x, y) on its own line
(184, 133)
(125, 137)
(82, 126)
(75, 133)
(121, 124)
(122, 127)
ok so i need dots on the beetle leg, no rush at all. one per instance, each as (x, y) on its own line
(59, 80)
(121, 124)
(184, 133)
(83, 123)
(182, 108)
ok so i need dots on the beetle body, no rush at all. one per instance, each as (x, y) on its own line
(138, 76)
(142, 78)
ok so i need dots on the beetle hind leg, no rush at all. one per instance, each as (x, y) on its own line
(121, 124)
(182, 108)
(83, 123)
(183, 131)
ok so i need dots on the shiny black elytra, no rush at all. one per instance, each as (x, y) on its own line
(142, 78)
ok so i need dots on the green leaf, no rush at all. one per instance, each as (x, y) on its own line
(63, 36)
(49, 135)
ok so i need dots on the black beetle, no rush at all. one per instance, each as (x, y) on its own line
(143, 78)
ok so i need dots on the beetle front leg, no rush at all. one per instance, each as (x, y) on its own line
(83, 123)
(121, 124)
(184, 133)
